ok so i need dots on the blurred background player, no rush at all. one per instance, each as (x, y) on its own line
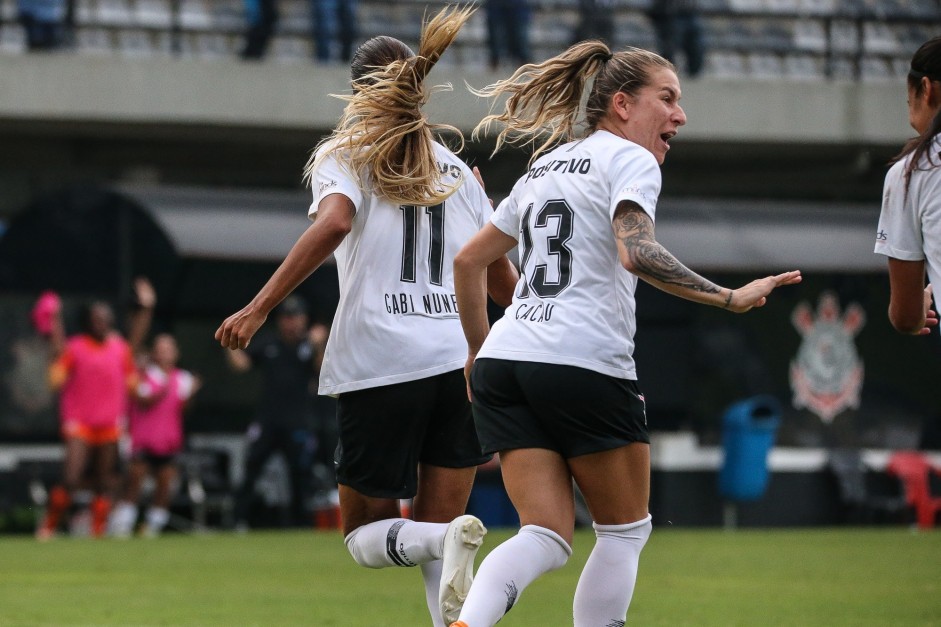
(394, 206)
(94, 372)
(289, 362)
(156, 428)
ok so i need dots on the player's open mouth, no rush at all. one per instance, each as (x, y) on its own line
(666, 137)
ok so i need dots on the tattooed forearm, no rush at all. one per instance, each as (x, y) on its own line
(656, 262)
(649, 259)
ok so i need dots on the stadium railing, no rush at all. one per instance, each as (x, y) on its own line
(802, 39)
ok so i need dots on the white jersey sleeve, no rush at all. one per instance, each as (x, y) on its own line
(899, 232)
(332, 177)
(910, 221)
(506, 217)
(186, 384)
(635, 178)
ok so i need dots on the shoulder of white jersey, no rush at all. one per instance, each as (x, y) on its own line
(931, 159)
(625, 148)
(467, 175)
(328, 146)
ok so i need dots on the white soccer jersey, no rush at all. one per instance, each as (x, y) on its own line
(574, 303)
(910, 225)
(397, 319)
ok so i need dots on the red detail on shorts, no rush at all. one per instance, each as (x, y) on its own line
(93, 436)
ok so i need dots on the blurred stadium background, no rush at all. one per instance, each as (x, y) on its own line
(149, 148)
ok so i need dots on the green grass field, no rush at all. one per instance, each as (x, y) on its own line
(885, 576)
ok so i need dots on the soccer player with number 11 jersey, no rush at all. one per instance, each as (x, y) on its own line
(395, 206)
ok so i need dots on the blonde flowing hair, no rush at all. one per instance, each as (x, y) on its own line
(544, 99)
(383, 131)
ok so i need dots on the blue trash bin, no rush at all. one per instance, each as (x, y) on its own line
(748, 430)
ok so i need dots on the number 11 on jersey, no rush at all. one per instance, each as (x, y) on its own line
(410, 243)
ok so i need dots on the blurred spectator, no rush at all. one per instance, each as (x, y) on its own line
(44, 22)
(596, 21)
(156, 425)
(95, 372)
(334, 19)
(261, 17)
(508, 31)
(285, 422)
(678, 26)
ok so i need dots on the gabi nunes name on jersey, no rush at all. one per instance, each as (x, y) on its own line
(432, 304)
(397, 317)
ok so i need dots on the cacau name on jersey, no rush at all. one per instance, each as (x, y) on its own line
(574, 303)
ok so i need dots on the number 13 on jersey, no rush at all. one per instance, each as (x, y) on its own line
(542, 243)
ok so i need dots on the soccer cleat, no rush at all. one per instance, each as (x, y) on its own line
(464, 536)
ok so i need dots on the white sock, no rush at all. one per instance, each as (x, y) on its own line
(607, 582)
(157, 519)
(508, 569)
(122, 519)
(431, 574)
(396, 542)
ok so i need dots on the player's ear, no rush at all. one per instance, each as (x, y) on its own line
(621, 105)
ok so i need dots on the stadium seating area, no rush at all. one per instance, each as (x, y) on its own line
(763, 39)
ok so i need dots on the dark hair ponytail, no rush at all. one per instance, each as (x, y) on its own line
(926, 63)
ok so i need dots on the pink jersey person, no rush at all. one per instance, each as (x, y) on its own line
(96, 377)
(157, 428)
(94, 374)
(156, 437)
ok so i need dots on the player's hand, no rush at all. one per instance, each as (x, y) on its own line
(238, 329)
(468, 366)
(931, 316)
(755, 293)
(480, 180)
(145, 293)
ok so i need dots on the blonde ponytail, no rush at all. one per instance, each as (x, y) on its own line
(544, 99)
(383, 132)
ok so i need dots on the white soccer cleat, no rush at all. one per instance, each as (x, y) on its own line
(464, 536)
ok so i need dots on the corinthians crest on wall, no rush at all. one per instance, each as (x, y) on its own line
(827, 374)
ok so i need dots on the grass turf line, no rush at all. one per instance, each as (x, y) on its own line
(826, 577)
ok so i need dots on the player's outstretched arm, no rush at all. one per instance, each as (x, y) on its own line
(333, 223)
(641, 254)
(755, 294)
